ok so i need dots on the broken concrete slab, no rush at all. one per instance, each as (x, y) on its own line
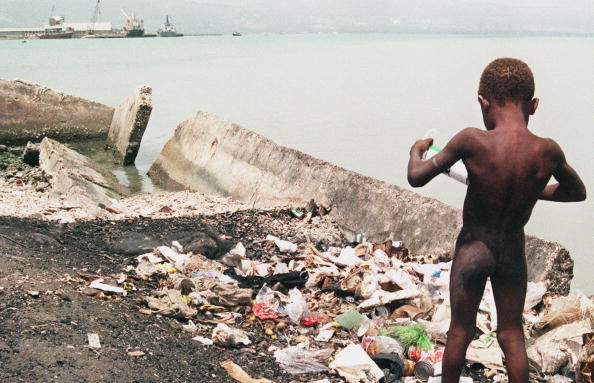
(80, 180)
(129, 123)
(29, 112)
(211, 155)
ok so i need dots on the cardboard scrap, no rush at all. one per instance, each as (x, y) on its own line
(491, 357)
(240, 375)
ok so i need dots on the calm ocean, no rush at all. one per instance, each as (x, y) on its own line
(357, 100)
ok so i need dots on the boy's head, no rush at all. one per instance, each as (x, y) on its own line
(507, 79)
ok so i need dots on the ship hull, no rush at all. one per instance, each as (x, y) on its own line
(66, 35)
(135, 33)
(167, 34)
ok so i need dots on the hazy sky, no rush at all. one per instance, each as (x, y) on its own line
(224, 16)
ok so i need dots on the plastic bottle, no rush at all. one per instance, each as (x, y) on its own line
(457, 171)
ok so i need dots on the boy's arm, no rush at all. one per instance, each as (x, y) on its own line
(570, 187)
(422, 171)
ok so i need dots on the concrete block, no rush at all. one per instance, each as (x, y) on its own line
(81, 181)
(212, 155)
(129, 123)
(29, 112)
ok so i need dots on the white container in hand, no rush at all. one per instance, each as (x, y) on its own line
(457, 171)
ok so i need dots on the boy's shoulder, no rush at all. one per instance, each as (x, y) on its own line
(470, 133)
(466, 138)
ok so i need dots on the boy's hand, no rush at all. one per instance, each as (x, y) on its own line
(421, 146)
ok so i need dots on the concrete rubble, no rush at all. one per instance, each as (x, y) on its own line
(29, 112)
(211, 155)
(129, 122)
(77, 179)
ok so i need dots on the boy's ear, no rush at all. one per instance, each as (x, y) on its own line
(533, 105)
(484, 103)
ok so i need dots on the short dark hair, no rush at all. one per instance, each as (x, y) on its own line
(507, 79)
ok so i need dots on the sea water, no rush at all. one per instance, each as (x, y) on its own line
(357, 100)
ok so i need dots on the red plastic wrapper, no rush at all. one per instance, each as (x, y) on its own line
(414, 353)
(417, 355)
(309, 321)
(263, 311)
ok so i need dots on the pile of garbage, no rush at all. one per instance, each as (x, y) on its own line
(365, 312)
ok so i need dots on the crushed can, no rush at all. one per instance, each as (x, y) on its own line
(409, 367)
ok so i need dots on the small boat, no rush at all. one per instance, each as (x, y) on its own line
(236, 34)
(167, 29)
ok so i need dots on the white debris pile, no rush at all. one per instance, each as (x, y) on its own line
(364, 312)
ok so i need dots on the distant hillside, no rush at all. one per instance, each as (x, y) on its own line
(226, 16)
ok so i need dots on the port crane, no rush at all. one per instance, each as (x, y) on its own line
(94, 18)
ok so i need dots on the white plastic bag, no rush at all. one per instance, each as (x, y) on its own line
(299, 360)
(297, 308)
(283, 246)
(266, 305)
(229, 336)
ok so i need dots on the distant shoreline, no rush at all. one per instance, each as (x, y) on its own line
(403, 33)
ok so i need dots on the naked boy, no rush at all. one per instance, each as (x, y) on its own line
(508, 169)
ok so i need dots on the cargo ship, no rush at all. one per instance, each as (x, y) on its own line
(56, 29)
(134, 26)
(167, 29)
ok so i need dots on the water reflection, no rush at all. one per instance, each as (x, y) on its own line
(128, 176)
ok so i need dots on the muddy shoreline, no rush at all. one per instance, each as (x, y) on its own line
(44, 338)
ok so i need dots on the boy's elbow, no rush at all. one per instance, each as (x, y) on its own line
(581, 195)
(415, 181)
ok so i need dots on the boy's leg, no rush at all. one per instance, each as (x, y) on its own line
(509, 290)
(471, 267)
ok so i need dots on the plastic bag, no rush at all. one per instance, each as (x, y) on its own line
(563, 310)
(386, 345)
(534, 293)
(297, 308)
(299, 360)
(349, 319)
(229, 336)
(266, 305)
(391, 365)
(374, 345)
(558, 379)
(283, 246)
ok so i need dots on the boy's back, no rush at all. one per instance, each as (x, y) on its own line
(509, 168)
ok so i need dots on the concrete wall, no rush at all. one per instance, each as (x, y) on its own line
(129, 122)
(211, 155)
(29, 112)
